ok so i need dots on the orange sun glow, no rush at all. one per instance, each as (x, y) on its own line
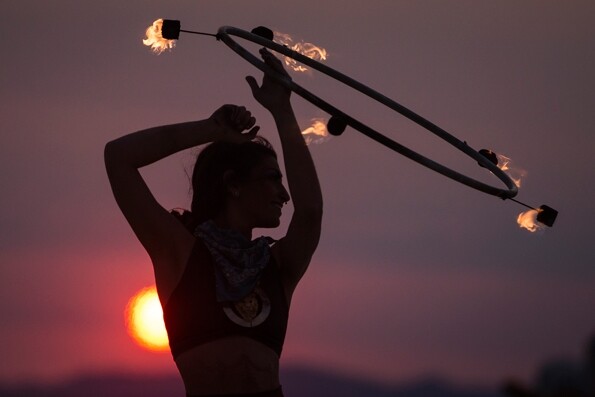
(144, 320)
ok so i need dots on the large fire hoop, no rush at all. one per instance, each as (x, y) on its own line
(340, 117)
(340, 120)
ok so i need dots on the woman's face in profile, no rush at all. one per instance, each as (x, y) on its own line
(263, 195)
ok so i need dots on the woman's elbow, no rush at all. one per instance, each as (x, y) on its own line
(109, 150)
(112, 155)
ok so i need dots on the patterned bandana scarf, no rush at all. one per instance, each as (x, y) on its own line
(239, 262)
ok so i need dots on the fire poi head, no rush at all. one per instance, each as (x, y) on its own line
(161, 36)
(547, 215)
(264, 32)
(170, 29)
(155, 38)
(533, 219)
(336, 125)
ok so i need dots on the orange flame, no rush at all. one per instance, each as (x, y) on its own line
(308, 49)
(528, 220)
(316, 132)
(515, 173)
(155, 40)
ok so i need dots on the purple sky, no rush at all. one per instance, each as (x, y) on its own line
(415, 274)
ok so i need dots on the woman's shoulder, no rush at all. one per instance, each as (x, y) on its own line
(169, 275)
(169, 269)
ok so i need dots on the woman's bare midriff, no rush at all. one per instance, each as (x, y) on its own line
(229, 365)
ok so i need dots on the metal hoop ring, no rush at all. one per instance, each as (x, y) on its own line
(224, 34)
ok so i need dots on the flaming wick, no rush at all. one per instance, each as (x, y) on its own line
(529, 220)
(544, 214)
(163, 33)
(316, 132)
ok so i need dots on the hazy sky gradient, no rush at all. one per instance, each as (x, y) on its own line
(415, 273)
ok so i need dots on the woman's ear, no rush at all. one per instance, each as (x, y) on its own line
(231, 183)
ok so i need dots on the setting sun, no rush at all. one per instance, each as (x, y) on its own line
(144, 320)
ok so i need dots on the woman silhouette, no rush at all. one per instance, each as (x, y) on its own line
(225, 296)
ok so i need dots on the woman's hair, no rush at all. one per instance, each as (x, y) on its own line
(209, 185)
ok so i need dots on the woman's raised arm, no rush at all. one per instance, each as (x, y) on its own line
(295, 250)
(162, 235)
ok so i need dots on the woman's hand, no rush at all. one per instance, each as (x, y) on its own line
(232, 120)
(271, 94)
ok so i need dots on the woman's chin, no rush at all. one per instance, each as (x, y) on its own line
(270, 223)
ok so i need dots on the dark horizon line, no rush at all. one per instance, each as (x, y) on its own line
(303, 368)
(297, 380)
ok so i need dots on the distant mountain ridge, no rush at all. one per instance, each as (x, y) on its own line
(297, 382)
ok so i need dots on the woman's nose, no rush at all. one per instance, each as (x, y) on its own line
(285, 195)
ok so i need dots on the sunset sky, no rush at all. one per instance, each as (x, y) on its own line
(415, 274)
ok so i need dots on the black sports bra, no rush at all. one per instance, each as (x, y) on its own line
(193, 316)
